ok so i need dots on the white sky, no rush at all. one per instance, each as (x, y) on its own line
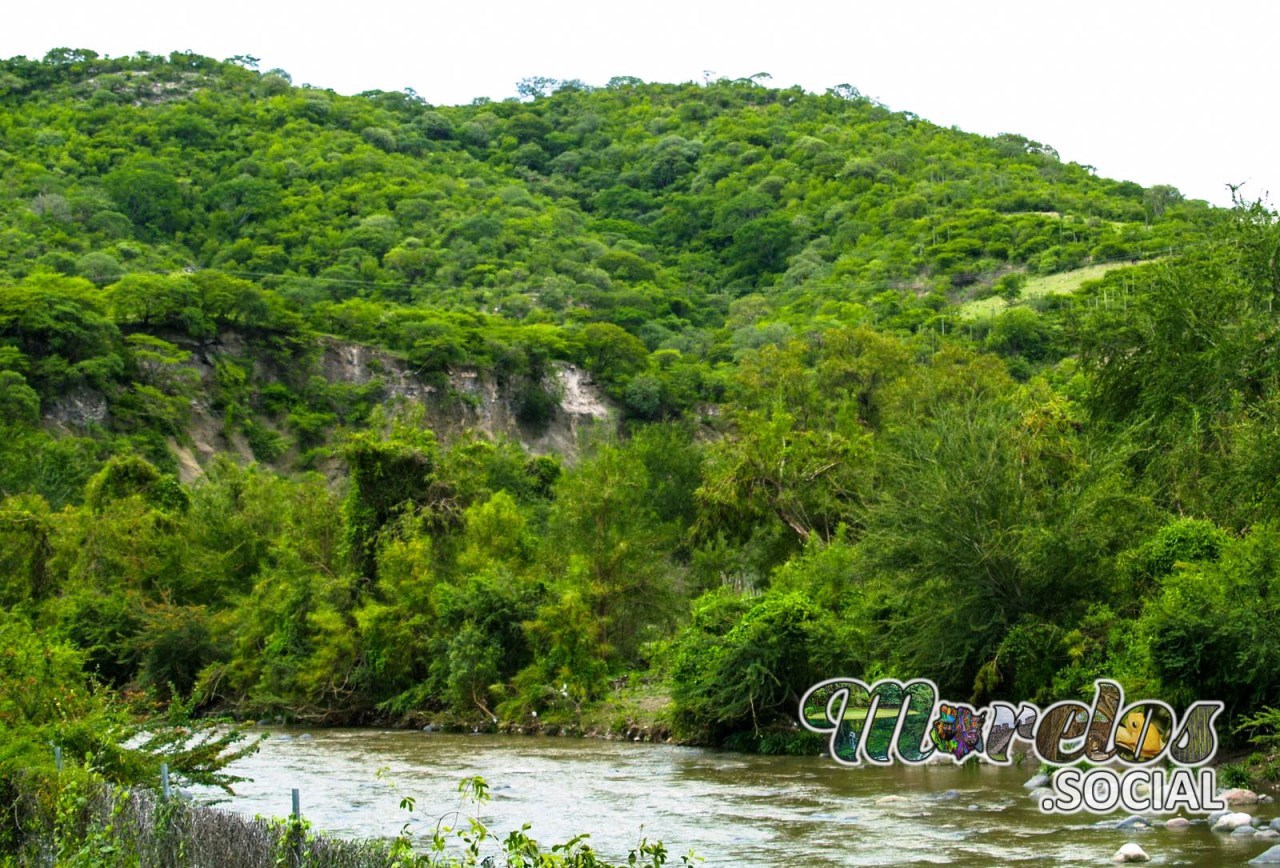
(1155, 92)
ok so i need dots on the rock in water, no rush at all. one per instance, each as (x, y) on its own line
(1134, 822)
(1037, 782)
(1231, 822)
(1132, 853)
(1238, 796)
(1271, 857)
(1178, 823)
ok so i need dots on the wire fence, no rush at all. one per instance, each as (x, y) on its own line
(105, 825)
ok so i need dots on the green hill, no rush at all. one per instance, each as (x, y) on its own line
(291, 386)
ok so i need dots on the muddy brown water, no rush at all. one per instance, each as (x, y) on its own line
(730, 809)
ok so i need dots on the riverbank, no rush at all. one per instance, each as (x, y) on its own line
(633, 711)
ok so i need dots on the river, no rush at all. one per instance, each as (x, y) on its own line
(731, 809)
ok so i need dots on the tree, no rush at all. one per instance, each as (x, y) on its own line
(611, 352)
(606, 543)
(810, 480)
(156, 301)
(535, 86)
(990, 514)
(1158, 198)
(149, 195)
(387, 477)
(19, 403)
(761, 247)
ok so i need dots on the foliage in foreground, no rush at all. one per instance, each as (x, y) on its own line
(78, 819)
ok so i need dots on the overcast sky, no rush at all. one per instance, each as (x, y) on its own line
(1158, 93)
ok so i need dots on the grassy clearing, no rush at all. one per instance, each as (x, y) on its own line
(1062, 283)
(1067, 281)
(635, 709)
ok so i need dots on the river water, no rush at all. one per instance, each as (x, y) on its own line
(731, 809)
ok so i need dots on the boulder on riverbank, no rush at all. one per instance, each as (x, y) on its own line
(1271, 857)
(1238, 796)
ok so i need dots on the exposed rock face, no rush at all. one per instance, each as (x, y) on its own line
(343, 362)
(581, 398)
(78, 408)
(464, 401)
(472, 401)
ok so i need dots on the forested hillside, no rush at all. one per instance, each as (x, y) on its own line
(869, 417)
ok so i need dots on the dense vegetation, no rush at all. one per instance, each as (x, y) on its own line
(825, 465)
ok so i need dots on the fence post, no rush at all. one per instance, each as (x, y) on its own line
(164, 780)
(296, 830)
(57, 756)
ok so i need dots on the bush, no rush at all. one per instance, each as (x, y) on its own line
(755, 672)
(1212, 627)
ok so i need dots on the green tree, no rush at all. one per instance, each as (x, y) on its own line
(606, 542)
(149, 195)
